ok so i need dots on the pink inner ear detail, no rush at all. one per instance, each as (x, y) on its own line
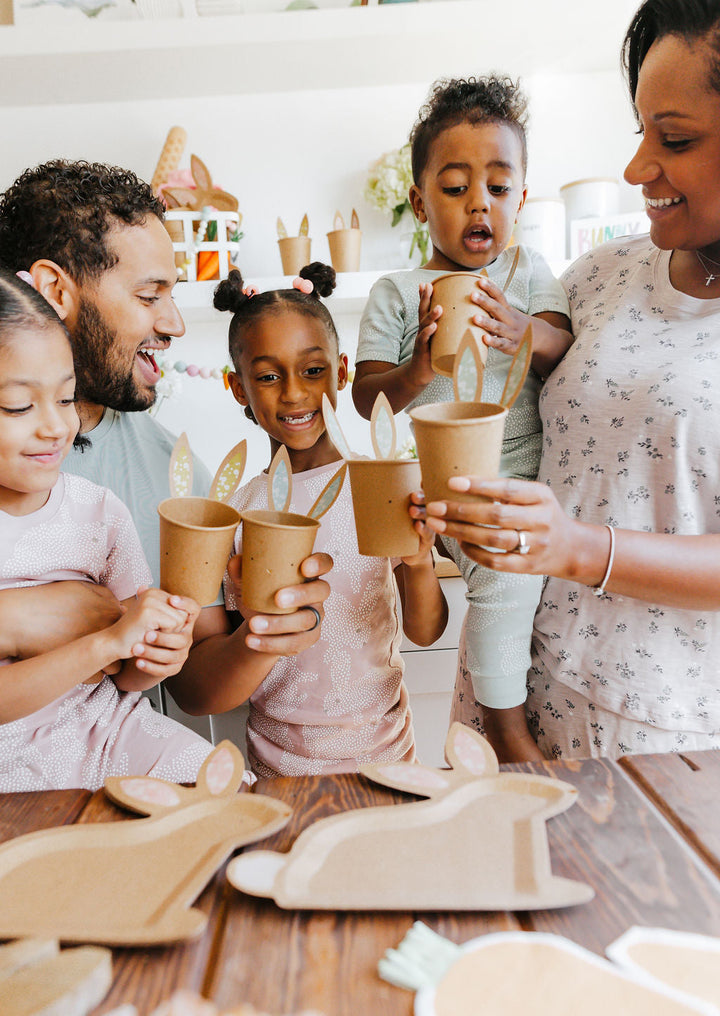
(219, 771)
(470, 753)
(151, 792)
(416, 776)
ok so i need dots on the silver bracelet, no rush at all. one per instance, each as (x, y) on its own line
(600, 590)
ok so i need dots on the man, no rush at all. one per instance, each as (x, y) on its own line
(92, 240)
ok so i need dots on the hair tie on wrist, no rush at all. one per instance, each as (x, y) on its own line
(26, 277)
(304, 285)
(600, 590)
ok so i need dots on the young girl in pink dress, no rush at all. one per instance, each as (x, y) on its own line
(341, 701)
(63, 721)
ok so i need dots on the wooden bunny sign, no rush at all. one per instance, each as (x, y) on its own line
(381, 487)
(132, 883)
(478, 843)
(196, 533)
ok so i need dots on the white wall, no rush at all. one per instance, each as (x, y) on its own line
(308, 151)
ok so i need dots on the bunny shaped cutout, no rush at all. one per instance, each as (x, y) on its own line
(203, 194)
(381, 487)
(196, 533)
(478, 843)
(464, 437)
(277, 541)
(132, 883)
(294, 250)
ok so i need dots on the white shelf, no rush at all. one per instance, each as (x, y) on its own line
(195, 298)
(72, 59)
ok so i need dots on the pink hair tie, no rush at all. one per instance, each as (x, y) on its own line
(26, 277)
(304, 285)
(250, 290)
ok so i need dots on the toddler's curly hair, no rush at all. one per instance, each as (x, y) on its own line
(490, 99)
(63, 210)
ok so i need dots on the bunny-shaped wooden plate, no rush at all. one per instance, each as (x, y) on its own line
(479, 843)
(132, 883)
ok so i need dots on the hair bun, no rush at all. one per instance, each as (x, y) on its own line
(323, 277)
(229, 293)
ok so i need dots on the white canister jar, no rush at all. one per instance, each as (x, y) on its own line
(542, 225)
(589, 198)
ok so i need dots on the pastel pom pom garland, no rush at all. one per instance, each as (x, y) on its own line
(193, 370)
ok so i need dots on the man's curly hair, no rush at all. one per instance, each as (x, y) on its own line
(63, 210)
(475, 101)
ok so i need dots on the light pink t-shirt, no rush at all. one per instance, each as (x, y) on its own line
(342, 702)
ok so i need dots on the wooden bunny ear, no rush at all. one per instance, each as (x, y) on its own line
(281, 231)
(339, 222)
(518, 370)
(304, 226)
(335, 433)
(222, 771)
(230, 472)
(181, 468)
(200, 173)
(145, 795)
(513, 267)
(468, 753)
(354, 221)
(410, 777)
(382, 428)
(469, 368)
(329, 494)
(280, 481)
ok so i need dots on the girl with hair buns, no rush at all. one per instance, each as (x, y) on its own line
(626, 518)
(342, 701)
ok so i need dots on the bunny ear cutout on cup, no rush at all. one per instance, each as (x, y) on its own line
(181, 468)
(382, 428)
(469, 369)
(518, 370)
(229, 473)
(280, 481)
(335, 431)
(330, 494)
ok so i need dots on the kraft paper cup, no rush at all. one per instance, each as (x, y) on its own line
(381, 491)
(344, 247)
(457, 439)
(294, 253)
(196, 541)
(453, 292)
(274, 545)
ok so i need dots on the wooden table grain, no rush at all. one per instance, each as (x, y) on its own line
(644, 832)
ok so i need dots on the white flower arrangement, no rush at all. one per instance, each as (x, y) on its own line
(388, 184)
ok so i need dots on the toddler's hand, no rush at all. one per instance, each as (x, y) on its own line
(504, 326)
(421, 370)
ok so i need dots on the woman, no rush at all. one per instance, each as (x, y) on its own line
(625, 518)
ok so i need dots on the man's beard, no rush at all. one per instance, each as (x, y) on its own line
(98, 378)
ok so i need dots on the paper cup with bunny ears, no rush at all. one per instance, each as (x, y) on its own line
(464, 437)
(345, 244)
(453, 292)
(197, 533)
(276, 542)
(294, 250)
(380, 487)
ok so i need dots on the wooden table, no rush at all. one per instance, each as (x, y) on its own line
(645, 833)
